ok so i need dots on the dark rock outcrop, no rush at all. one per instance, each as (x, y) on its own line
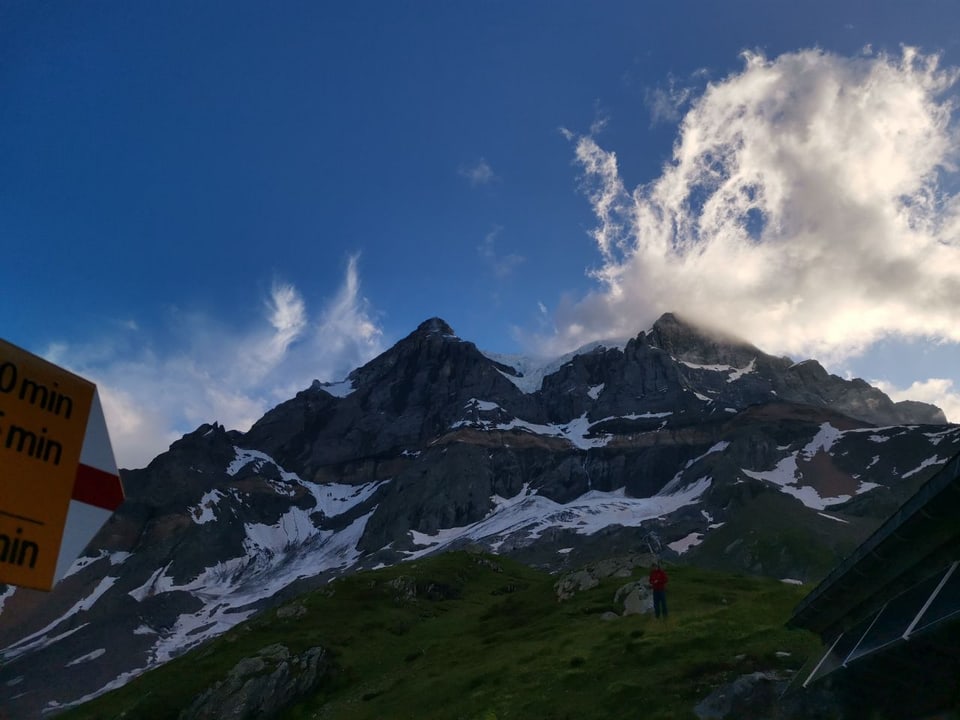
(761, 696)
(262, 686)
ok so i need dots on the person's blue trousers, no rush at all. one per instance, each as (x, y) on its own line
(660, 603)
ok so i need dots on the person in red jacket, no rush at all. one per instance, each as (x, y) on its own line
(658, 582)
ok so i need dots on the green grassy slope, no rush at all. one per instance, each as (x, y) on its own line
(772, 534)
(485, 638)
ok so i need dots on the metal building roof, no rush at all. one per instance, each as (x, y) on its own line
(920, 538)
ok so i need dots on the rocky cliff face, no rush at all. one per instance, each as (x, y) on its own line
(680, 441)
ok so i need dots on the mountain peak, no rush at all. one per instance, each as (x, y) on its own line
(672, 324)
(668, 319)
(434, 326)
(689, 341)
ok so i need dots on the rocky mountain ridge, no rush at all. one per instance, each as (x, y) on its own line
(680, 441)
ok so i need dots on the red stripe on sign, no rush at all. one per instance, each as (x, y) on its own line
(96, 487)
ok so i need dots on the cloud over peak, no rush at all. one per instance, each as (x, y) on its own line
(233, 376)
(810, 202)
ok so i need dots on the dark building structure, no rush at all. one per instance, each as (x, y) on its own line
(889, 614)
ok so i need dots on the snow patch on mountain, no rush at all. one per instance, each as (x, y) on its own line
(334, 499)
(683, 544)
(677, 481)
(244, 458)
(577, 431)
(532, 370)
(117, 682)
(937, 437)
(116, 558)
(524, 517)
(822, 441)
(42, 638)
(277, 555)
(831, 517)
(711, 368)
(259, 459)
(935, 460)
(594, 390)
(203, 511)
(338, 389)
(158, 582)
(733, 372)
(273, 556)
(190, 629)
(787, 476)
(484, 405)
(33, 642)
(293, 528)
(93, 655)
(6, 595)
(740, 372)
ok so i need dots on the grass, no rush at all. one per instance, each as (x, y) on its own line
(499, 645)
(772, 537)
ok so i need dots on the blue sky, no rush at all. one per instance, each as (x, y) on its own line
(204, 206)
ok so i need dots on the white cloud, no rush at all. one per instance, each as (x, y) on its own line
(936, 391)
(600, 119)
(501, 265)
(347, 334)
(288, 315)
(667, 103)
(479, 174)
(810, 205)
(152, 396)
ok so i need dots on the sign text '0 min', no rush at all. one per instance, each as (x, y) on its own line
(33, 443)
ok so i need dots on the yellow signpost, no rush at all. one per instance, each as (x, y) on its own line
(46, 435)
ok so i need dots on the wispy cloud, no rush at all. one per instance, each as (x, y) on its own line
(667, 103)
(152, 394)
(501, 265)
(479, 173)
(810, 205)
